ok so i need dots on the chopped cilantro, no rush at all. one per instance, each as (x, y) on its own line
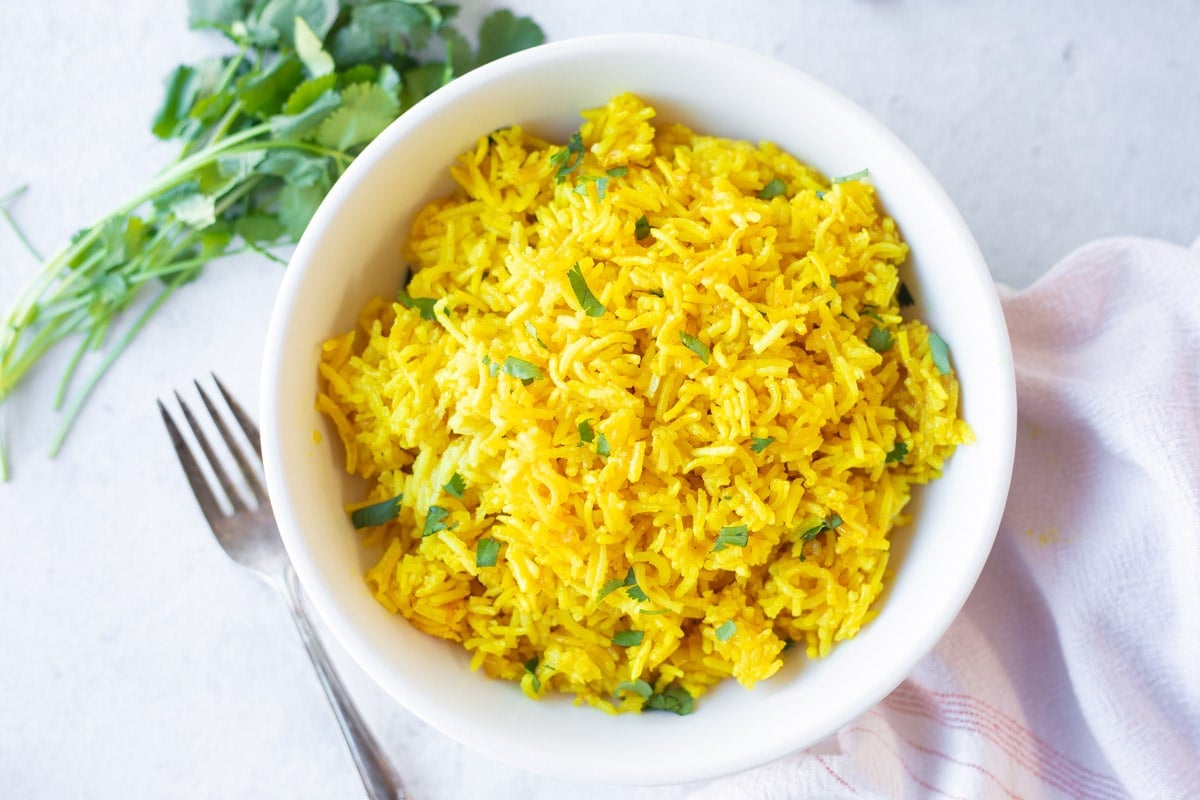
(602, 446)
(633, 589)
(629, 582)
(522, 370)
(533, 332)
(435, 521)
(731, 535)
(904, 296)
(641, 228)
(486, 551)
(939, 351)
(638, 687)
(492, 367)
(674, 698)
(832, 522)
(601, 185)
(609, 587)
(774, 188)
(422, 304)
(726, 631)
(897, 453)
(854, 176)
(760, 443)
(879, 339)
(531, 667)
(618, 172)
(695, 345)
(587, 301)
(456, 486)
(586, 434)
(869, 311)
(628, 638)
(568, 159)
(376, 513)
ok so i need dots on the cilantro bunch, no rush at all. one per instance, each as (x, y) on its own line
(263, 132)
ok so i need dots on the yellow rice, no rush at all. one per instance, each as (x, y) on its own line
(789, 423)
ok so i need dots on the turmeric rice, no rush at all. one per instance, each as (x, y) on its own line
(645, 414)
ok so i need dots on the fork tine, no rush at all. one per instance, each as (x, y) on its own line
(243, 419)
(235, 498)
(204, 496)
(248, 471)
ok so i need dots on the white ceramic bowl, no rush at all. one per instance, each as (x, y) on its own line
(350, 251)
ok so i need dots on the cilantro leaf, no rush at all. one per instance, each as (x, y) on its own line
(758, 444)
(879, 339)
(731, 535)
(854, 176)
(939, 351)
(628, 638)
(435, 521)
(503, 33)
(587, 301)
(365, 111)
(487, 550)
(638, 687)
(376, 513)
(830, 523)
(181, 95)
(632, 589)
(263, 93)
(586, 434)
(455, 486)
(602, 446)
(297, 204)
(532, 331)
(897, 453)
(312, 53)
(618, 172)
(609, 587)
(309, 113)
(216, 13)
(774, 188)
(726, 631)
(641, 228)
(276, 19)
(424, 305)
(522, 370)
(601, 185)
(568, 159)
(531, 667)
(695, 345)
(674, 698)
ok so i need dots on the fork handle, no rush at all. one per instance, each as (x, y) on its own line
(378, 776)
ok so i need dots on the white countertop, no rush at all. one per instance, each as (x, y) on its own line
(138, 662)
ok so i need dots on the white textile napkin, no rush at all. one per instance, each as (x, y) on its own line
(1073, 671)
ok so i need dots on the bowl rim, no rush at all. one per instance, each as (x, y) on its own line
(343, 627)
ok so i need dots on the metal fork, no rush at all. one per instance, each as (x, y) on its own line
(251, 538)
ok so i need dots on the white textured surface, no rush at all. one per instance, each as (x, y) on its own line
(137, 662)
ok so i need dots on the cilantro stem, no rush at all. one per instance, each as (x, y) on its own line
(12, 223)
(215, 192)
(72, 412)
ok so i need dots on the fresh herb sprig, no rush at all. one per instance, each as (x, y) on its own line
(264, 132)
